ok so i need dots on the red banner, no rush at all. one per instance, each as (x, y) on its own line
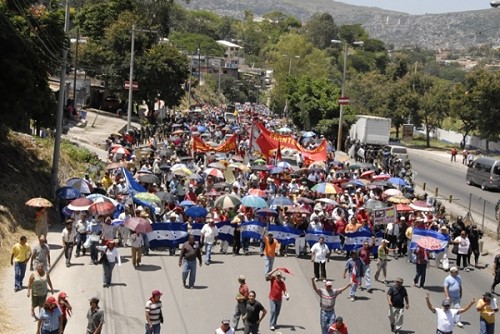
(265, 141)
(229, 145)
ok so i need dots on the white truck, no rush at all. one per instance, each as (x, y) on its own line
(371, 130)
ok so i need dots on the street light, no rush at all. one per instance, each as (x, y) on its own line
(289, 73)
(341, 113)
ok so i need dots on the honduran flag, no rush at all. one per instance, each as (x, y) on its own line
(332, 240)
(284, 234)
(226, 231)
(196, 230)
(431, 240)
(355, 240)
(167, 235)
(133, 186)
(252, 229)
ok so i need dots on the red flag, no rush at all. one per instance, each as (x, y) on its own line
(285, 270)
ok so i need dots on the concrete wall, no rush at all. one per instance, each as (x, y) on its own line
(453, 137)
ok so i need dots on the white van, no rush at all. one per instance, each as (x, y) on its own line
(484, 172)
(399, 152)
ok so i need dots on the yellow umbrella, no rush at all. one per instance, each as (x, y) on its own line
(399, 200)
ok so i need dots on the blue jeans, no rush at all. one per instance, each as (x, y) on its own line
(269, 261)
(486, 328)
(189, 267)
(153, 330)
(208, 252)
(421, 271)
(19, 272)
(326, 319)
(108, 272)
(44, 331)
(275, 307)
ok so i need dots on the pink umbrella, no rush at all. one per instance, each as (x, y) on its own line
(80, 204)
(403, 208)
(393, 192)
(138, 224)
(102, 208)
(429, 243)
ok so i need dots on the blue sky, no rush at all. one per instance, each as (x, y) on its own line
(423, 6)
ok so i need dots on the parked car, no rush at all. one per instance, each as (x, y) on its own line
(111, 103)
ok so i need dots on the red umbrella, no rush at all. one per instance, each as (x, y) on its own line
(80, 204)
(138, 224)
(403, 208)
(367, 174)
(102, 208)
(257, 192)
(429, 243)
(120, 150)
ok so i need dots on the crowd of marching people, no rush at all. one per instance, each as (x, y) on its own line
(155, 183)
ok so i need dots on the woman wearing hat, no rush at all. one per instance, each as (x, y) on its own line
(65, 307)
(109, 258)
(50, 318)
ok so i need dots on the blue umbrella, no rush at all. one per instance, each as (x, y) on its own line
(68, 193)
(202, 129)
(187, 203)
(308, 134)
(267, 211)
(398, 181)
(254, 201)
(196, 212)
(280, 201)
(277, 170)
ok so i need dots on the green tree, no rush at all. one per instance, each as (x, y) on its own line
(162, 71)
(193, 43)
(320, 30)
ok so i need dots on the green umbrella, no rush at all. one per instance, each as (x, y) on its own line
(148, 197)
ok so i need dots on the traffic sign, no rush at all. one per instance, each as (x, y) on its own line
(135, 85)
(344, 100)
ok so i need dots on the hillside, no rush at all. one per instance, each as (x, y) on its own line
(453, 30)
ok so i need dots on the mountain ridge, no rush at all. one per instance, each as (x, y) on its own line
(457, 30)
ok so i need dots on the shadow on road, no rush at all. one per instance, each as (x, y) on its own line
(436, 288)
(290, 327)
(148, 267)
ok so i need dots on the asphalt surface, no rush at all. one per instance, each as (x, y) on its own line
(213, 298)
(200, 310)
(435, 169)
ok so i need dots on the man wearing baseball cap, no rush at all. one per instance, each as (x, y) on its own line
(276, 294)
(453, 291)
(154, 316)
(445, 316)
(397, 297)
(225, 327)
(327, 297)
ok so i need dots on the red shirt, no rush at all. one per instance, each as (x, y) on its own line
(277, 288)
(341, 328)
(340, 226)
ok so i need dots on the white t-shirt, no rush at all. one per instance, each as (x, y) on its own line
(463, 244)
(68, 236)
(445, 320)
(209, 233)
(319, 252)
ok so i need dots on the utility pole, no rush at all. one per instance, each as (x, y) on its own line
(75, 63)
(130, 80)
(60, 110)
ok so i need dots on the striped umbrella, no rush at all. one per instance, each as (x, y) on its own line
(327, 188)
(213, 172)
(227, 201)
(254, 202)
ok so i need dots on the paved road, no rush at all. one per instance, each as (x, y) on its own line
(436, 170)
(201, 309)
